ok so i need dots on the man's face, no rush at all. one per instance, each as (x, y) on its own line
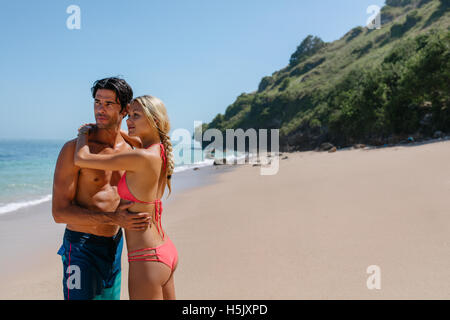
(107, 109)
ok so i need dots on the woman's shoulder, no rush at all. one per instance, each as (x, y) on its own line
(151, 156)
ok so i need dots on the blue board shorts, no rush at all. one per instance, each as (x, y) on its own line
(91, 266)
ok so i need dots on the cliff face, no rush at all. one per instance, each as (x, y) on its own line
(371, 86)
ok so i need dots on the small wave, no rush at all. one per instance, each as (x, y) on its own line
(18, 205)
(231, 159)
(204, 163)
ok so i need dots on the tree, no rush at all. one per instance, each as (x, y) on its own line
(309, 46)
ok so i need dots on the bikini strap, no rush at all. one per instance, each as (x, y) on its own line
(163, 155)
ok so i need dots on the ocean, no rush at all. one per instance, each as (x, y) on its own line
(27, 167)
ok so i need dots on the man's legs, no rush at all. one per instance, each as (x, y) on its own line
(91, 265)
(112, 293)
(111, 289)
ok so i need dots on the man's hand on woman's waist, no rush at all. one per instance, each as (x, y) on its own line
(131, 221)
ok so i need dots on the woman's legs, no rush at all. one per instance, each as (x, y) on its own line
(169, 287)
(152, 279)
(147, 279)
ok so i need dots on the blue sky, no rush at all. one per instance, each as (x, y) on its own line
(197, 55)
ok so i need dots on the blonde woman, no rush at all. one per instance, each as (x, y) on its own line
(152, 256)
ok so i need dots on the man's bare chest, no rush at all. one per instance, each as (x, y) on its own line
(95, 178)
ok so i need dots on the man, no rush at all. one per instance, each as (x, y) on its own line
(87, 201)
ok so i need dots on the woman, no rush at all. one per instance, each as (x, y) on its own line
(153, 257)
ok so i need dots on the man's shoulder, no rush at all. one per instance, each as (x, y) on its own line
(131, 142)
(66, 157)
(125, 145)
(69, 145)
(68, 150)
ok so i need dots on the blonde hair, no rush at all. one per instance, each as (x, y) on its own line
(156, 113)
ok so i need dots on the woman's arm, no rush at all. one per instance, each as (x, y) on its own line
(64, 208)
(128, 160)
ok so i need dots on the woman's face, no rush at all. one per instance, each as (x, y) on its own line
(137, 122)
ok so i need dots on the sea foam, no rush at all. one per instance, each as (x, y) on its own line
(13, 206)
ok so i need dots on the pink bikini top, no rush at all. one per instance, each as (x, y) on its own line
(125, 193)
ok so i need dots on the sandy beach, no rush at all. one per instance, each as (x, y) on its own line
(308, 232)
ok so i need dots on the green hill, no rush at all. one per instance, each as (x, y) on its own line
(371, 86)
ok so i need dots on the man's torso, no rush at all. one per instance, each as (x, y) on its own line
(97, 190)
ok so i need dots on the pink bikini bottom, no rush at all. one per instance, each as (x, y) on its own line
(165, 253)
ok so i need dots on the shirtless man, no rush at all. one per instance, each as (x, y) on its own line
(87, 201)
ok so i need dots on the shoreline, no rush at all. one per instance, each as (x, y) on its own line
(15, 207)
(43, 198)
(409, 144)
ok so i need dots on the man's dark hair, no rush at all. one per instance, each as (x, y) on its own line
(123, 91)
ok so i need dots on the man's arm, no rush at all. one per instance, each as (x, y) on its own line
(64, 190)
